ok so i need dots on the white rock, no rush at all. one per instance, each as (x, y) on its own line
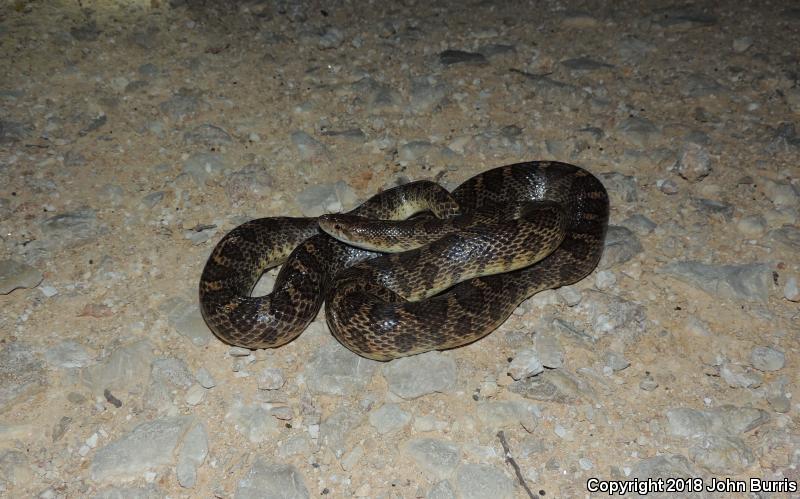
(790, 290)
(525, 364)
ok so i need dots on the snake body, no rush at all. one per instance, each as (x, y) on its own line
(428, 298)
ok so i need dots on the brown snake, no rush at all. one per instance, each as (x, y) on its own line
(498, 222)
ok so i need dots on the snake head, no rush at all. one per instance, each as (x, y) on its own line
(349, 229)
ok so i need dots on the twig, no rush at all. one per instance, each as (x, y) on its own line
(517, 471)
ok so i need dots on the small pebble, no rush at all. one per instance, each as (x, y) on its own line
(648, 384)
(742, 43)
(195, 394)
(239, 352)
(694, 163)
(204, 378)
(790, 290)
(525, 363)
(585, 463)
(752, 226)
(569, 295)
(604, 279)
(767, 359)
(270, 379)
(668, 187)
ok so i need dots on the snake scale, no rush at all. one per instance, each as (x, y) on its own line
(498, 238)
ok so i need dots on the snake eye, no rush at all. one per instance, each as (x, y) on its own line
(337, 226)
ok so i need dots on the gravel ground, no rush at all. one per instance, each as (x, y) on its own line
(134, 134)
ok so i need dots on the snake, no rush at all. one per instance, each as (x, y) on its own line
(414, 268)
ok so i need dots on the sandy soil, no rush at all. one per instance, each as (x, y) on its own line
(135, 134)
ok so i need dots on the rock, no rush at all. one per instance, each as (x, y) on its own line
(126, 369)
(622, 189)
(738, 376)
(296, 445)
(187, 320)
(549, 350)
(767, 359)
(694, 163)
(14, 468)
(191, 456)
(185, 103)
(621, 245)
(333, 431)
(389, 418)
(253, 180)
(71, 229)
(508, 414)
(480, 481)
(782, 194)
(319, 199)
(308, 147)
(14, 274)
(609, 314)
(265, 479)
(378, 97)
(792, 97)
(584, 64)
(787, 236)
(335, 370)
(569, 295)
(668, 186)
(604, 280)
(330, 38)
(639, 131)
(724, 420)
(67, 355)
(721, 454)
(648, 383)
(22, 374)
(551, 386)
(742, 43)
(790, 290)
(711, 207)
(14, 131)
(615, 361)
(412, 377)
(153, 199)
(450, 57)
(426, 93)
(207, 135)
(744, 282)
(700, 85)
(173, 371)
(195, 395)
(784, 140)
(441, 490)
(639, 224)
(421, 151)
(204, 166)
(752, 226)
(270, 379)
(253, 421)
(435, 458)
(150, 446)
(525, 363)
(205, 378)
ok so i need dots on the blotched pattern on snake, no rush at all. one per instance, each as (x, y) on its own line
(498, 238)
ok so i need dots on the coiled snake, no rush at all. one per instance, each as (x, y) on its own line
(529, 226)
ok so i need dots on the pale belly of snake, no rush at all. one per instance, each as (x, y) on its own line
(503, 235)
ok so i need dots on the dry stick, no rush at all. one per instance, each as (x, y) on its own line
(517, 471)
